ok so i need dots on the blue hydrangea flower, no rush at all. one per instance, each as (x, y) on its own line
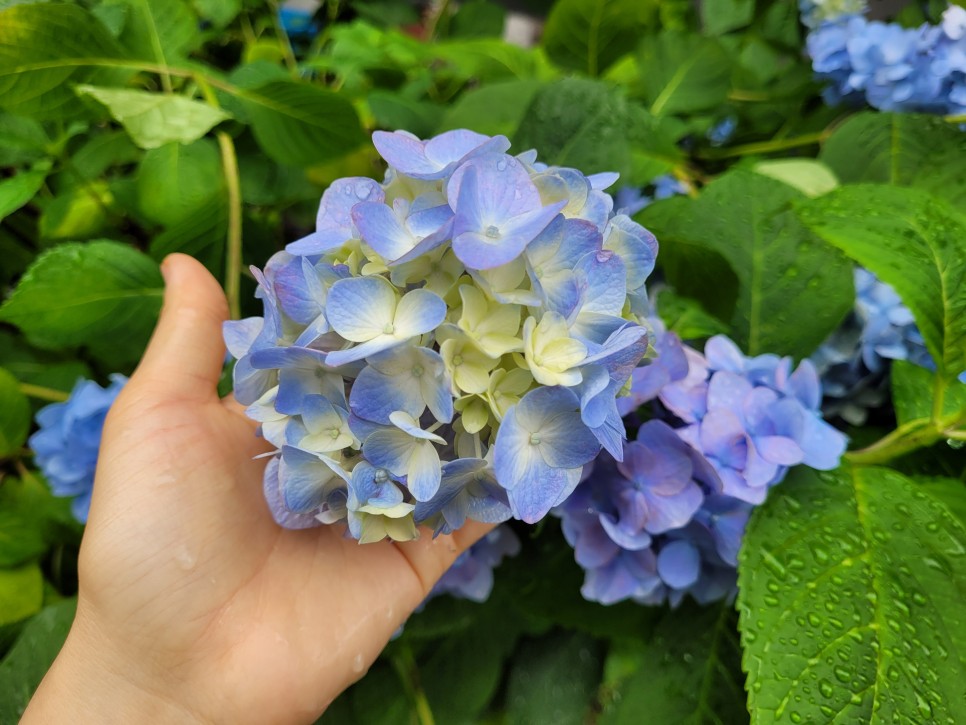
(448, 343)
(891, 67)
(471, 575)
(68, 440)
(854, 361)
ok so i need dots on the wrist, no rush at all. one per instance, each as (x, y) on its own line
(90, 684)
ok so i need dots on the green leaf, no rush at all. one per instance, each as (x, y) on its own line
(683, 73)
(589, 35)
(104, 151)
(21, 593)
(14, 415)
(904, 149)
(300, 124)
(201, 234)
(218, 12)
(722, 16)
(913, 388)
(44, 49)
(28, 512)
(19, 189)
(553, 679)
(688, 672)
(577, 122)
(496, 108)
(912, 241)
(478, 19)
(31, 656)
(396, 111)
(161, 31)
(793, 290)
(81, 212)
(77, 294)
(21, 140)
(155, 119)
(811, 177)
(850, 590)
(175, 180)
(686, 318)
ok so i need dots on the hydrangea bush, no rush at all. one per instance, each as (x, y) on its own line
(725, 480)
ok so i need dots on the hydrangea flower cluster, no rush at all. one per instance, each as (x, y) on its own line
(667, 520)
(854, 361)
(448, 344)
(893, 68)
(66, 445)
(471, 575)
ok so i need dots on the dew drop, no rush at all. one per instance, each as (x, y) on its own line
(501, 165)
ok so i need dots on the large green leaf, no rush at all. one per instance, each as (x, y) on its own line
(155, 119)
(46, 48)
(19, 189)
(301, 124)
(851, 589)
(589, 35)
(552, 680)
(28, 513)
(21, 139)
(722, 16)
(793, 290)
(77, 294)
(912, 241)
(683, 73)
(14, 415)
(496, 108)
(21, 593)
(161, 31)
(913, 388)
(201, 233)
(903, 149)
(31, 656)
(175, 180)
(580, 123)
(80, 212)
(688, 672)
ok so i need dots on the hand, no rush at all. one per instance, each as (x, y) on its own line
(193, 603)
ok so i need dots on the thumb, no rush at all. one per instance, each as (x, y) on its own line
(186, 353)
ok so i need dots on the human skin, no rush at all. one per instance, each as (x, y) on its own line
(193, 605)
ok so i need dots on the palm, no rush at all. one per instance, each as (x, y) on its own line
(266, 623)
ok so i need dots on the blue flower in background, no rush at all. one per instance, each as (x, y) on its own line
(67, 444)
(854, 360)
(667, 520)
(629, 199)
(891, 67)
(471, 575)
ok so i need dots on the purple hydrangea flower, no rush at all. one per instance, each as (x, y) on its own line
(471, 575)
(67, 444)
(666, 521)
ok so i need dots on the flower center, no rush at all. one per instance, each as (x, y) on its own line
(417, 371)
(492, 231)
(457, 360)
(534, 439)
(388, 329)
(381, 475)
(334, 432)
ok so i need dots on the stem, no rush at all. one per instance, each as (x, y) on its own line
(433, 24)
(909, 437)
(283, 40)
(229, 165)
(938, 397)
(408, 673)
(42, 393)
(233, 257)
(764, 147)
